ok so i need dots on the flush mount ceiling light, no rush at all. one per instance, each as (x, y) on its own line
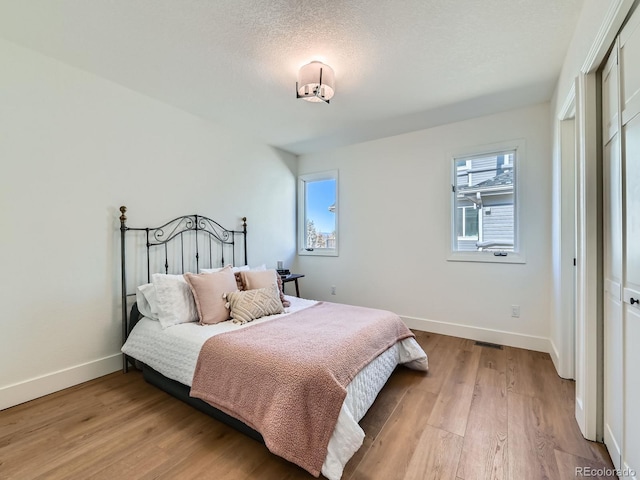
(316, 82)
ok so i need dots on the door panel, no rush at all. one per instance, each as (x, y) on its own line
(632, 189)
(631, 446)
(613, 413)
(630, 42)
(630, 68)
(610, 116)
(612, 263)
(612, 211)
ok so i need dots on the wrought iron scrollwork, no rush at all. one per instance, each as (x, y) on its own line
(170, 230)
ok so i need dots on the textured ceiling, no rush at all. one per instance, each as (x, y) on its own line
(400, 65)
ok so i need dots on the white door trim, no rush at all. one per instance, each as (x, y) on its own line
(609, 28)
(563, 353)
(589, 260)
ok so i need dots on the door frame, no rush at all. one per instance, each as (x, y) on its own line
(589, 291)
(564, 252)
(589, 259)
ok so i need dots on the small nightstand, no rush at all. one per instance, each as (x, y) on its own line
(292, 277)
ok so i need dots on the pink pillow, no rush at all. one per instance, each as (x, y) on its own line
(208, 290)
(253, 279)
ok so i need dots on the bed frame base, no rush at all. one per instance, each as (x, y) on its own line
(181, 392)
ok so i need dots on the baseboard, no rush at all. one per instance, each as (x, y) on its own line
(555, 358)
(612, 446)
(555, 355)
(18, 393)
(511, 339)
(627, 471)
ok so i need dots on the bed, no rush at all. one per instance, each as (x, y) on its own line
(336, 362)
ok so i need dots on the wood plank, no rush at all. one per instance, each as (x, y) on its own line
(82, 424)
(276, 468)
(441, 363)
(558, 422)
(527, 370)
(571, 467)
(435, 457)
(391, 452)
(494, 359)
(235, 457)
(426, 340)
(449, 342)
(468, 344)
(79, 455)
(454, 400)
(484, 454)
(531, 454)
(379, 413)
(556, 396)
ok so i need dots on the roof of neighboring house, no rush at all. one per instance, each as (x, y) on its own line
(504, 178)
(501, 180)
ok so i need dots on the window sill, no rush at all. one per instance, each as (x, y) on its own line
(486, 257)
(319, 252)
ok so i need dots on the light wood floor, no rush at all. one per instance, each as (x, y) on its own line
(479, 413)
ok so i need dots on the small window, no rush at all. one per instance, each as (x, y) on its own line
(484, 213)
(318, 213)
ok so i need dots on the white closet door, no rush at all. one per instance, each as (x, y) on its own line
(630, 89)
(612, 260)
(631, 451)
(613, 311)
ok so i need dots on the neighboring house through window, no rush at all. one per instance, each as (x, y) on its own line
(485, 223)
(318, 213)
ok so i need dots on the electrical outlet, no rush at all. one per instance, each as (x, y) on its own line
(333, 289)
(515, 311)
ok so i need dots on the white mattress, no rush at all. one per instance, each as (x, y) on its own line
(174, 353)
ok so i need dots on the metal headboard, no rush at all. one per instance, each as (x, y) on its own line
(197, 237)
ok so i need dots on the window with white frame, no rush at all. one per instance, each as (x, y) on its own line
(484, 206)
(318, 213)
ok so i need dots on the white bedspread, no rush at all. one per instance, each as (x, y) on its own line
(174, 353)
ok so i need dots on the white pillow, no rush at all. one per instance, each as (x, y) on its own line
(175, 300)
(243, 268)
(147, 301)
(233, 269)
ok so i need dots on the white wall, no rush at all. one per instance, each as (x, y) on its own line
(73, 148)
(395, 198)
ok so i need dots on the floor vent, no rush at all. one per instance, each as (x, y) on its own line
(490, 345)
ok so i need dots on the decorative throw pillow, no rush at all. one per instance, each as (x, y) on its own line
(285, 302)
(258, 279)
(175, 301)
(251, 304)
(239, 283)
(208, 290)
(261, 279)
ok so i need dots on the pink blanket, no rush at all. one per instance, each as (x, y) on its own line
(287, 378)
